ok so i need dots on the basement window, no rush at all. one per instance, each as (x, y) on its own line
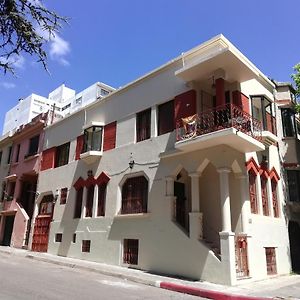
(131, 251)
(86, 246)
(58, 238)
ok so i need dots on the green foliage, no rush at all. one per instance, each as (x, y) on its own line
(296, 78)
(25, 27)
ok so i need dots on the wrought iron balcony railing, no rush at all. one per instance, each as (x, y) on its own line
(216, 119)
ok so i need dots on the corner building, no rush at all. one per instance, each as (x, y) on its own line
(178, 173)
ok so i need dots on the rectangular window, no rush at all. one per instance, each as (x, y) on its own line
(86, 246)
(252, 192)
(271, 260)
(18, 153)
(0, 157)
(131, 251)
(264, 196)
(33, 146)
(63, 195)
(93, 139)
(104, 92)
(101, 200)
(275, 199)
(78, 203)
(62, 155)
(58, 237)
(74, 238)
(143, 125)
(294, 185)
(166, 117)
(3, 191)
(9, 154)
(288, 122)
(89, 201)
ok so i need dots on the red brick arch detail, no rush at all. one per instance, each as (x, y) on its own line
(274, 175)
(80, 183)
(252, 165)
(90, 181)
(102, 178)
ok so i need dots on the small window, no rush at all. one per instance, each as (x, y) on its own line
(143, 125)
(58, 237)
(86, 246)
(135, 195)
(104, 92)
(131, 251)
(294, 185)
(33, 146)
(78, 101)
(93, 139)
(252, 192)
(166, 117)
(288, 122)
(271, 261)
(63, 195)
(74, 238)
(9, 154)
(101, 200)
(18, 153)
(275, 199)
(264, 196)
(46, 205)
(89, 201)
(62, 155)
(78, 203)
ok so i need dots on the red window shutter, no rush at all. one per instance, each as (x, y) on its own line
(48, 159)
(79, 146)
(166, 117)
(110, 131)
(240, 100)
(185, 105)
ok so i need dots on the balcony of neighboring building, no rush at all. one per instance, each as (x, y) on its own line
(223, 125)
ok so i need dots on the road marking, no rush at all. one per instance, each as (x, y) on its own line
(119, 284)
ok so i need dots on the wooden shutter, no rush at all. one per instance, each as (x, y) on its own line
(143, 125)
(110, 131)
(252, 192)
(166, 117)
(79, 146)
(48, 159)
(240, 100)
(185, 105)
(264, 196)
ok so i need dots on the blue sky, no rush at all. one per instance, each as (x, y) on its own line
(117, 41)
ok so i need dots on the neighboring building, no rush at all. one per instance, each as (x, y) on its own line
(177, 172)
(21, 181)
(62, 101)
(289, 146)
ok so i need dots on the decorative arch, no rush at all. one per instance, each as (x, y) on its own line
(80, 183)
(251, 164)
(203, 165)
(274, 175)
(103, 178)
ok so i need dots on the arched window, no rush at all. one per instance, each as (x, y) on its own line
(134, 195)
(264, 195)
(252, 192)
(101, 199)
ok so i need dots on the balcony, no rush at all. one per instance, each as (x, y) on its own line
(223, 125)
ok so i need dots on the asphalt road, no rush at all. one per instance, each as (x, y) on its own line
(25, 279)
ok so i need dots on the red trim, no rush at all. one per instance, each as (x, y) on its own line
(273, 174)
(102, 178)
(48, 159)
(110, 131)
(90, 181)
(251, 164)
(79, 146)
(79, 183)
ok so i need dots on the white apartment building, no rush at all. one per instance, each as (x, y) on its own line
(177, 172)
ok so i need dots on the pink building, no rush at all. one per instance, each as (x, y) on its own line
(20, 194)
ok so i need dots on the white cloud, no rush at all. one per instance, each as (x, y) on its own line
(16, 61)
(59, 48)
(7, 85)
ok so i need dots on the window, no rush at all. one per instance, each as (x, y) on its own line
(33, 146)
(135, 195)
(58, 237)
(86, 246)
(252, 192)
(3, 191)
(62, 155)
(93, 139)
(166, 117)
(104, 92)
(46, 205)
(78, 203)
(294, 185)
(89, 201)
(9, 154)
(271, 261)
(101, 200)
(74, 238)
(131, 251)
(275, 198)
(63, 195)
(264, 196)
(288, 122)
(66, 107)
(78, 101)
(11, 192)
(18, 153)
(0, 157)
(143, 125)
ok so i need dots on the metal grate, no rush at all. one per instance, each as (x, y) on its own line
(252, 192)
(131, 251)
(271, 261)
(241, 255)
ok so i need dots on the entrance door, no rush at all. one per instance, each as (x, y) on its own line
(241, 257)
(179, 193)
(8, 229)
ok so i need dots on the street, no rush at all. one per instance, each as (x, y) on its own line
(22, 278)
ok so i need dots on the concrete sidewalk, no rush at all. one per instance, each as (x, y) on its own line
(281, 287)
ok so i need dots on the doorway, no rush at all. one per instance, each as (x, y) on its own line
(8, 229)
(179, 193)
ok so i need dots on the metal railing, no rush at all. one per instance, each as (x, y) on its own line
(221, 117)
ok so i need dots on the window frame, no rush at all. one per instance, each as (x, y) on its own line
(89, 204)
(63, 195)
(33, 146)
(102, 191)
(143, 125)
(131, 251)
(90, 138)
(264, 195)
(62, 154)
(58, 237)
(162, 109)
(271, 263)
(289, 117)
(78, 203)
(86, 246)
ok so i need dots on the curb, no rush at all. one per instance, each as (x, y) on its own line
(216, 295)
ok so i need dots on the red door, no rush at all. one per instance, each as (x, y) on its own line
(41, 233)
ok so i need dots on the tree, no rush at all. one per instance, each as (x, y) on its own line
(296, 78)
(25, 27)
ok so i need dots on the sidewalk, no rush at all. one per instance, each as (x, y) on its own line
(282, 287)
